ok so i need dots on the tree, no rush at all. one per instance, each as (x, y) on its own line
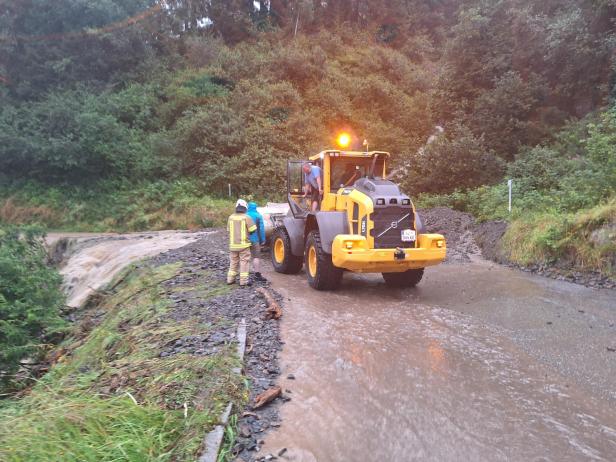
(56, 44)
(30, 299)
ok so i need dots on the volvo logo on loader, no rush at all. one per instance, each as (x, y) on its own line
(343, 234)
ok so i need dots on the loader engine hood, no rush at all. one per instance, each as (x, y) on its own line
(393, 213)
(374, 188)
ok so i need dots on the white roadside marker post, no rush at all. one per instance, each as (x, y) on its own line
(509, 183)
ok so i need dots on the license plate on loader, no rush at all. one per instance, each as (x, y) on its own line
(408, 235)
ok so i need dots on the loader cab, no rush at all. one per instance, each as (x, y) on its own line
(340, 170)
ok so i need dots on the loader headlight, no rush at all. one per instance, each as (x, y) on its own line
(348, 244)
(440, 243)
(380, 202)
(406, 202)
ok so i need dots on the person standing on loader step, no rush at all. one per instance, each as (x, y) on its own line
(314, 187)
(239, 227)
(257, 239)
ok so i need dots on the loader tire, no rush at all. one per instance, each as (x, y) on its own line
(282, 258)
(408, 278)
(320, 271)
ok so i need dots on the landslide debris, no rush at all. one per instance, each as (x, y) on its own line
(488, 237)
(457, 227)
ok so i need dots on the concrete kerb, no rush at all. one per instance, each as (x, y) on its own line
(213, 440)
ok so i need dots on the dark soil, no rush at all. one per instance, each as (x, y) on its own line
(488, 237)
(207, 259)
(457, 227)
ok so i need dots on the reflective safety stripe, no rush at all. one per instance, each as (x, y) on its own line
(252, 229)
(232, 273)
(243, 225)
(231, 232)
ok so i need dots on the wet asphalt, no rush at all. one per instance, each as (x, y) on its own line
(479, 362)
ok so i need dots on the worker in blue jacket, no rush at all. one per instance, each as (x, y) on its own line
(257, 239)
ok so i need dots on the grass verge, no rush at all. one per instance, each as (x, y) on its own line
(111, 396)
(585, 240)
(540, 233)
(110, 206)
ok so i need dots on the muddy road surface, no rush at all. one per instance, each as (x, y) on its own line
(479, 362)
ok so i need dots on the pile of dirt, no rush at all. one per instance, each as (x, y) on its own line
(207, 260)
(457, 227)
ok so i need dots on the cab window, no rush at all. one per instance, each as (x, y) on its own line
(345, 171)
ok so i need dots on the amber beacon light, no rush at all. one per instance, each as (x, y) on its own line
(344, 139)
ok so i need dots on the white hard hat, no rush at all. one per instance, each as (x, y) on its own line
(241, 203)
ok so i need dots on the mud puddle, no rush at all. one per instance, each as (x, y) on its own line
(90, 261)
(464, 367)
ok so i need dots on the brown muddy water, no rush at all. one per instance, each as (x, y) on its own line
(92, 260)
(478, 363)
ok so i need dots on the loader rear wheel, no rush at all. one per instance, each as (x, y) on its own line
(320, 271)
(282, 258)
(408, 278)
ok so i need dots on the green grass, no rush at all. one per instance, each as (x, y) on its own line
(584, 240)
(230, 436)
(111, 206)
(112, 397)
(541, 232)
(81, 427)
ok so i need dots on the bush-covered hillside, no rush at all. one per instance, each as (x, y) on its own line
(147, 104)
(148, 90)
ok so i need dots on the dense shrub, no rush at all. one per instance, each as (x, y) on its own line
(577, 171)
(456, 161)
(114, 205)
(30, 299)
(583, 240)
(76, 136)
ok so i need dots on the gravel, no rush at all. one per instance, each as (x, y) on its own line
(457, 227)
(207, 259)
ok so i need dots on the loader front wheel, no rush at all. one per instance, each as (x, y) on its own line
(320, 271)
(282, 258)
(408, 278)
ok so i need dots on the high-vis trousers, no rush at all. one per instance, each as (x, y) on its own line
(239, 258)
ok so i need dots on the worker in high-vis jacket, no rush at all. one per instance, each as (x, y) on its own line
(239, 227)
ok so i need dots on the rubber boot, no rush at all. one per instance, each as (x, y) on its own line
(259, 277)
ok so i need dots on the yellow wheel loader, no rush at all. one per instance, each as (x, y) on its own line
(364, 224)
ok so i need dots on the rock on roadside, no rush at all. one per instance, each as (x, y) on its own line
(209, 254)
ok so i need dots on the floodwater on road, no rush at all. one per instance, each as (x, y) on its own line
(94, 259)
(479, 362)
